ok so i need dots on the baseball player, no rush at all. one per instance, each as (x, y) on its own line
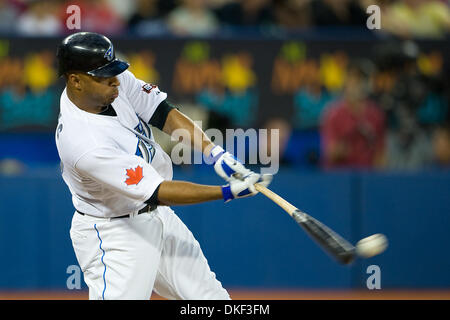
(127, 239)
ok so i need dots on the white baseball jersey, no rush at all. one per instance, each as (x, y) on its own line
(112, 164)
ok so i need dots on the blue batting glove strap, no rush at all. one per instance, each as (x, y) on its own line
(244, 193)
(226, 193)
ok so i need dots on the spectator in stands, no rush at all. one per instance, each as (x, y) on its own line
(434, 107)
(292, 14)
(411, 106)
(8, 16)
(310, 102)
(40, 19)
(145, 10)
(276, 148)
(99, 16)
(192, 18)
(167, 6)
(441, 145)
(353, 128)
(338, 13)
(408, 146)
(27, 92)
(246, 13)
(147, 19)
(398, 88)
(20, 107)
(417, 18)
(124, 9)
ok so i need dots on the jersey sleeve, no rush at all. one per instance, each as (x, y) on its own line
(126, 174)
(144, 97)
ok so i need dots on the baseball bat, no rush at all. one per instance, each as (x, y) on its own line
(332, 243)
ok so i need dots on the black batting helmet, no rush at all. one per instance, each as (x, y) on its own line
(89, 52)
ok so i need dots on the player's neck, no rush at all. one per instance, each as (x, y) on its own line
(83, 103)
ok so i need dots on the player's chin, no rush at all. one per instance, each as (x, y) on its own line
(112, 97)
(111, 100)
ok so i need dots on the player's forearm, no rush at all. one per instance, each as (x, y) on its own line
(195, 135)
(181, 192)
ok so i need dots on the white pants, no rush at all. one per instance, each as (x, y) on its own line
(128, 258)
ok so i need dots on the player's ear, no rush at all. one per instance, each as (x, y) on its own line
(74, 80)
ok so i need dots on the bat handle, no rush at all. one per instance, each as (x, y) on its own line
(261, 188)
(289, 208)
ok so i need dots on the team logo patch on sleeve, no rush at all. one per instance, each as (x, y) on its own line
(148, 87)
(134, 175)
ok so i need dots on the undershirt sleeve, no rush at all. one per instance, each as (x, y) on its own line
(153, 200)
(159, 117)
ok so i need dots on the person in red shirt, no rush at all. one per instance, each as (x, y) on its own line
(353, 127)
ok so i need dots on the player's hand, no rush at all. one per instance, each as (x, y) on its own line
(238, 188)
(226, 165)
(265, 179)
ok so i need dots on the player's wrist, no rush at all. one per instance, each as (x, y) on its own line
(226, 193)
(208, 148)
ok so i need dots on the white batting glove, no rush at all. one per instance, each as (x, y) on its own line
(244, 188)
(265, 179)
(226, 165)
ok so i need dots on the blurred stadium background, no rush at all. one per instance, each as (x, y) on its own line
(309, 68)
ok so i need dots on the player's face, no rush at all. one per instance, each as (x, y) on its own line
(100, 91)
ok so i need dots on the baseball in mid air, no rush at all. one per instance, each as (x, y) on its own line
(371, 246)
